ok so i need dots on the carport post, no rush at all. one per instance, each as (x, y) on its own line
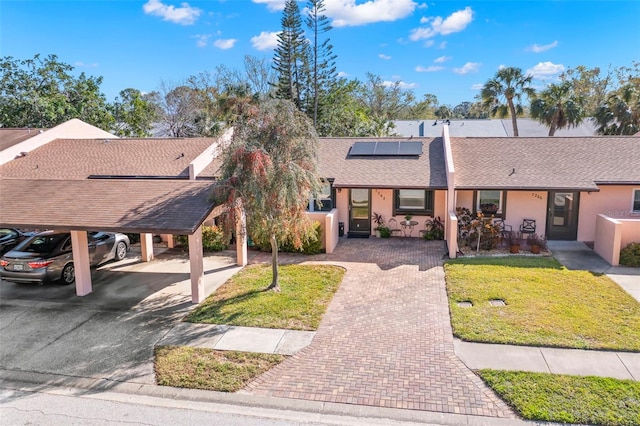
(146, 246)
(80, 249)
(196, 266)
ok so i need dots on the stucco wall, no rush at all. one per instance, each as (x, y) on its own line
(329, 225)
(529, 205)
(464, 199)
(613, 201)
(630, 232)
(606, 240)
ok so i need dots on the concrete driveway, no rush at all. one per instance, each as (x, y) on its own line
(109, 333)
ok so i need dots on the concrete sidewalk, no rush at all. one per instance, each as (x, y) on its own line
(233, 338)
(577, 362)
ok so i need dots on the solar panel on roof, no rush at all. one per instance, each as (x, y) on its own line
(410, 148)
(386, 149)
(363, 148)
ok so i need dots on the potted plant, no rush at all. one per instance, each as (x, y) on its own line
(408, 218)
(514, 240)
(537, 243)
(384, 231)
(378, 219)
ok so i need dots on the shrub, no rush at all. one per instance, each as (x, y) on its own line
(385, 232)
(483, 228)
(310, 246)
(213, 239)
(630, 255)
(435, 229)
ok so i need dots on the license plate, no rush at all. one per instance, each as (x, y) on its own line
(18, 267)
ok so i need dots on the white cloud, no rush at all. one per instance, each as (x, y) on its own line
(224, 44)
(272, 5)
(545, 70)
(467, 68)
(383, 56)
(81, 64)
(454, 23)
(537, 48)
(265, 40)
(429, 43)
(202, 39)
(432, 68)
(347, 13)
(184, 15)
(400, 84)
(442, 59)
(343, 74)
(477, 86)
(442, 45)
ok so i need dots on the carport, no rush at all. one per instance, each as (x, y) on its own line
(145, 206)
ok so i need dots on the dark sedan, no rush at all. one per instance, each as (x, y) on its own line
(10, 237)
(47, 256)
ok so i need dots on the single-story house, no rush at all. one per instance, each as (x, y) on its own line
(574, 188)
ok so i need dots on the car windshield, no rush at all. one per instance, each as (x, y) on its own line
(4, 232)
(43, 244)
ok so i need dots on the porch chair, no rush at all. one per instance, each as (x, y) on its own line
(425, 229)
(504, 229)
(528, 227)
(393, 225)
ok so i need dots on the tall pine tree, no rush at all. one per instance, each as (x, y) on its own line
(291, 57)
(322, 60)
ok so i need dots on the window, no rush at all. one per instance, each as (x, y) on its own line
(490, 203)
(325, 197)
(413, 201)
(636, 201)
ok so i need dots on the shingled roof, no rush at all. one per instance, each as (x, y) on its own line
(11, 136)
(424, 171)
(123, 205)
(579, 163)
(81, 158)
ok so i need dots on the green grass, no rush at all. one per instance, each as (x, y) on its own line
(306, 293)
(568, 399)
(197, 368)
(546, 305)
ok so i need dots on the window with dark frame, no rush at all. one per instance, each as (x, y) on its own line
(325, 197)
(636, 200)
(490, 202)
(417, 202)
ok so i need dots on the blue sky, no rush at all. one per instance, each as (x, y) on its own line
(447, 48)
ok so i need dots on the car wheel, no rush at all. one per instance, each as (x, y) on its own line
(121, 251)
(68, 274)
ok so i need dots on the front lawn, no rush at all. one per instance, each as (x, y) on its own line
(197, 368)
(546, 305)
(568, 399)
(306, 293)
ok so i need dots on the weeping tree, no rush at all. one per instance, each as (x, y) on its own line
(270, 168)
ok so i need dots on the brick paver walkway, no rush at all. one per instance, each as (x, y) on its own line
(386, 338)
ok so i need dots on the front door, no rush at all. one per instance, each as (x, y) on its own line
(562, 215)
(359, 212)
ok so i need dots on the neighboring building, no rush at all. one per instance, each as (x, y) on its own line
(485, 128)
(78, 178)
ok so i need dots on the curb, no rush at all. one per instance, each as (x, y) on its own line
(167, 396)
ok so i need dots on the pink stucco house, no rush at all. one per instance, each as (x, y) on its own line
(575, 188)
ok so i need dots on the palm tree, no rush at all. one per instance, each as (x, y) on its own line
(558, 107)
(620, 114)
(509, 84)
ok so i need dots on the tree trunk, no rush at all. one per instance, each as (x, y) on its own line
(514, 120)
(275, 286)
